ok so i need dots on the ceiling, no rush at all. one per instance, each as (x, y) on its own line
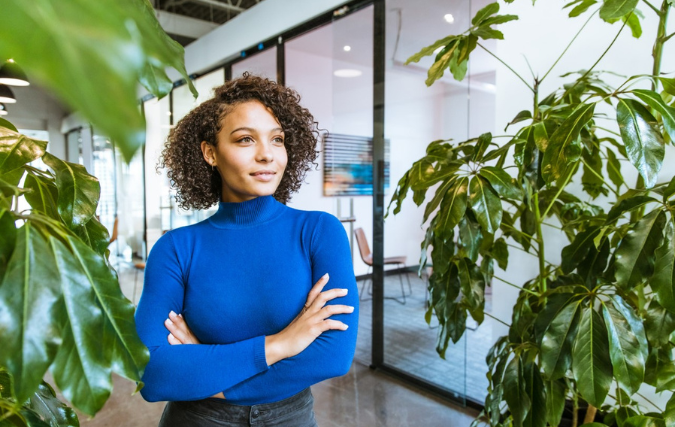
(210, 11)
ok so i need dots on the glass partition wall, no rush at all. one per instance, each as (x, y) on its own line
(348, 68)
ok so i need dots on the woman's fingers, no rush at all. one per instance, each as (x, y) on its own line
(173, 340)
(316, 289)
(326, 296)
(330, 310)
(333, 324)
(179, 329)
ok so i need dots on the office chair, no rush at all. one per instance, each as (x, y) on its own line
(367, 258)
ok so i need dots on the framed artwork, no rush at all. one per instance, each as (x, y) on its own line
(348, 165)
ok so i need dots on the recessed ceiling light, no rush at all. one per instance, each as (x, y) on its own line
(347, 48)
(449, 18)
(168, 113)
(347, 72)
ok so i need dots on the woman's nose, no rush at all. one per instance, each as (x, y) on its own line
(265, 152)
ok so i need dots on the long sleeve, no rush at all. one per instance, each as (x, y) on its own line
(185, 372)
(331, 354)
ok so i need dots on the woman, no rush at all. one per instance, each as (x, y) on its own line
(244, 311)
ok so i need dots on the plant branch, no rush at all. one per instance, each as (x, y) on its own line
(616, 193)
(666, 38)
(515, 286)
(658, 12)
(652, 403)
(608, 131)
(523, 250)
(498, 320)
(507, 66)
(657, 51)
(518, 231)
(568, 45)
(541, 252)
(551, 225)
(596, 62)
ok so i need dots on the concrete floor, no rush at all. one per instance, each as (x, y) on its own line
(363, 397)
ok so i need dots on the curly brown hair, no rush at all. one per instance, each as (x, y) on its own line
(189, 173)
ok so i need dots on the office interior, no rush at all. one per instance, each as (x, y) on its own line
(346, 60)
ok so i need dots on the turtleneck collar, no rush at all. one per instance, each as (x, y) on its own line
(246, 214)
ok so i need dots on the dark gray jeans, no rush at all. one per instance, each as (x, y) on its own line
(295, 411)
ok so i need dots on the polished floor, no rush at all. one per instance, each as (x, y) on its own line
(363, 397)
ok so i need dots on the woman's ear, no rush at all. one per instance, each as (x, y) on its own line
(209, 152)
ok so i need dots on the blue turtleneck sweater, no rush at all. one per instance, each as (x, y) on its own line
(236, 277)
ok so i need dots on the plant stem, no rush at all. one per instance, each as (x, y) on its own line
(551, 225)
(652, 403)
(575, 411)
(596, 62)
(515, 286)
(658, 12)
(521, 249)
(657, 52)
(519, 232)
(607, 130)
(568, 45)
(507, 66)
(666, 38)
(498, 320)
(542, 261)
(601, 178)
(590, 414)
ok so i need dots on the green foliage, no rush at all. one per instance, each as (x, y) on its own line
(61, 307)
(606, 313)
(92, 55)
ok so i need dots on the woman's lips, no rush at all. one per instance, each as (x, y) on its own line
(265, 177)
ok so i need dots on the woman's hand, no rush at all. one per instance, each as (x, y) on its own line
(180, 333)
(312, 321)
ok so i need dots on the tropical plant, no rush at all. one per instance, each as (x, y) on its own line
(606, 314)
(61, 307)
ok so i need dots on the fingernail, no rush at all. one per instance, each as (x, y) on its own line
(325, 276)
(346, 326)
(344, 291)
(171, 313)
(169, 320)
(351, 309)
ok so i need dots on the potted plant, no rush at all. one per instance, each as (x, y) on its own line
(606, 314)
(61, 307)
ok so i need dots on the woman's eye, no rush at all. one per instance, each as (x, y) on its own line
(279, 139)
(246, 139)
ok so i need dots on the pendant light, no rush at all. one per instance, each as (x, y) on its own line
(3, 110)
(6, 95)
(12, 75)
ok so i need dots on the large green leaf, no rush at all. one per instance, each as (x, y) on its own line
(591, 364)
(564, 148)
(95, 235)
(29, 312)
(80, 369)
(453, 207)
(127, 354)
(484, 13)
(627, 205)
(641, 136)
(400, 194)
(43, 195)
(655, 101)
(16, 149)
(634, 258)
(556, 346)
(659, 324)
(515, 393)
(663, 281)
(627, 344)
(86, 51)
(78, 191)
(555, 401)
(485, 204)
(430, 49)
(669, 413)
(644, 421)
(502, 182)
(470, 236)
(534, 387)
(660, 369)
(577, 251)
(614, 168)
(45, 403)
(8, 241)
(613, 9)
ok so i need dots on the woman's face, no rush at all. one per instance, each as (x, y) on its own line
(250, 142)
